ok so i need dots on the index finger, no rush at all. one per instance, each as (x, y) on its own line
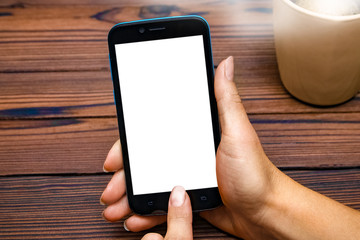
(114, 160)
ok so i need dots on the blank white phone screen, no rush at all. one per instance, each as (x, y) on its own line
(166, 106)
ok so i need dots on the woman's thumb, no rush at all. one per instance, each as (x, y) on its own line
(232, 115)
(179, 215)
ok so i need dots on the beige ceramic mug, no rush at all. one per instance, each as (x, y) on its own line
(318, 55)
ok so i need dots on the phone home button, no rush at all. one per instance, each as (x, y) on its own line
(203, 198)
(150, 203)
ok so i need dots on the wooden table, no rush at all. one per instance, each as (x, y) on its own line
(58, 120)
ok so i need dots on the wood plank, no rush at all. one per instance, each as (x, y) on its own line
(74, 52)
(56, 94)
(53, 207)
(50, 207)
(54, 47)
(71, 16)
(84, 94)
(6, 3)
(310, 140)
(56, 146)
(81, 145)
(67, 38)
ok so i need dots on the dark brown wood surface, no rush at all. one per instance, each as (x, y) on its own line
(58, 120)
(50, 207)
(80, 145)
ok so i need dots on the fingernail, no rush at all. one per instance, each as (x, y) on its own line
(101, 202)
(229, 68)
(125, 227)
(101, 198)
(177, 196)
(105, 169)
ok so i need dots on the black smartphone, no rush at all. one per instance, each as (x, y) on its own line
(163, 77)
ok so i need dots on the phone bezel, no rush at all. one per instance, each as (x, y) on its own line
(163, 28)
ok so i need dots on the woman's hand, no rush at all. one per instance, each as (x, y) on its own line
(244, 173)
(260, 202)
(115, 197)
(179, 216)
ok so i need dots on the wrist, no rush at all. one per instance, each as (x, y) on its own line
(295, 212)
(263, 221)
(275, 214)
(278, 205)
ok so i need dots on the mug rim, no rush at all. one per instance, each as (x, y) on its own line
(320, 15)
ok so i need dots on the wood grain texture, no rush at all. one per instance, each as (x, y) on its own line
(56, 94)
(81, 145)
(83, 94)
(57, 114)
(55, 56)
(56, 146)
(52, 207)
(8, 3)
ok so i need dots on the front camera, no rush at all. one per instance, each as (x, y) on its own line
(141, 30)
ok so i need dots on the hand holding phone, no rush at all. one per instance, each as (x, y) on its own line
(162, 72)
(243, 172)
